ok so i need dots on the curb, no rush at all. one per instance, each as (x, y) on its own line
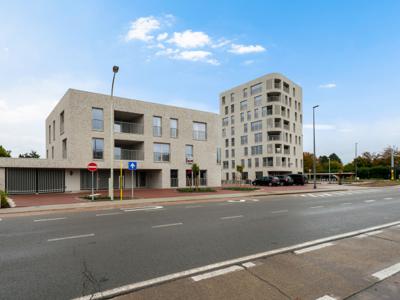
(118, 204)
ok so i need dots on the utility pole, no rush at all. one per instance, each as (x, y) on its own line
(111, 180)
(329, 167)
(392, 164)
(355, 160)
(314, 158)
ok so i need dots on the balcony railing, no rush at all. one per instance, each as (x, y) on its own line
(128, 127)
(199, 135)
(287, 127)
(273, 98)
(128, 154)
(277, 125)
(278, 150)
(274, 137)
(157, 130)
(286, 151)
(173, 132)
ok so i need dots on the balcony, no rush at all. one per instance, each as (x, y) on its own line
(128, 122)
(128, 127)
(274, 137)
(286, 126)
(128, 150)
(286, 87)
(277, 83)
(273, 97)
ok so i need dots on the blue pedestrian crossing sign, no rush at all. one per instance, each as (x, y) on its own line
(132, 165)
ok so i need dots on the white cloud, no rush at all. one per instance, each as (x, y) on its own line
(221, 43)
(246, 49)
(189, 55)
(327, 86)
(142, 28)
(162, 36)
(248, 62)
(190, 39)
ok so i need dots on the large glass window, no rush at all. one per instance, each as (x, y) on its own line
(219, 155)
(62, 122)
(256, 126)
(189, 153)
(161, 152)
(243, 105)
(256, 89)
(174, 128)
(199, 131)
(98, 148)
(97, 119)
(257, 100)
(64, 148)
(256, 150)
(156, 126)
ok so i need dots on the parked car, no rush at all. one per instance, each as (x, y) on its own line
(285, 180)
(266, 180)
(298, 179)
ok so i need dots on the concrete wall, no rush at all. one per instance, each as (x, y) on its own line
(2, 179)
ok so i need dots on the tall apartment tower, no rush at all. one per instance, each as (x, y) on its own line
(262, 128)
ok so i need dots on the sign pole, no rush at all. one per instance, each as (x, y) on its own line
(120, 180)
(92, 187)
(132, 184)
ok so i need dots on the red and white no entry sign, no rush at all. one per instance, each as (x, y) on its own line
(92, 167)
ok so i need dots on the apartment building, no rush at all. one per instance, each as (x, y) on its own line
(164, 140)
(262, 128)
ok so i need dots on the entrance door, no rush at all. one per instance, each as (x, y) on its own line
(140, 179)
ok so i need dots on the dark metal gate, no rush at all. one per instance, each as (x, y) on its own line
(32, 180)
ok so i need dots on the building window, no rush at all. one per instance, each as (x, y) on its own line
(223, 100)
(258, 137)
(226, 110)
(97, 119)
(243, 105)
(256, 162)
(225, 165)
(223, 132)
(245, 151)
(242, 117)
(62, 122)
(174, 128)
(245, 126)
(232, 152)
(157, 129)
(64, 148)
(232, 97)
(232, 119)
(226, 153)
(189, 153)
(257, 100)
(226, 142)
(232, 142)
(161, 152)
(232, 108)
(219, 154)
(248, 115)
(233, 164)
(256, 89)
(232, 130)
(243, 140)
(174, 178)
(256, 113)
(200, 131)
(256, 150)
(49, 134)
(98, 148)
(249, 162)
(225, 121)
(52, 152)
(54, 130)
(242, 163)
(256, 126)
(244, 92)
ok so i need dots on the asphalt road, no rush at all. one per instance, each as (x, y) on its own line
(62, 256)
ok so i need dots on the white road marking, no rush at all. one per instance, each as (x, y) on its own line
(108, 214)
(144, 208)
(385, 273)
(388, 198)
(326, 297)
(254, 200)
(193, 206)
(237, 201)
(369, 234)
(369, 201)
(231, 217)
(313, 248)
(279, 211)
(312, 195)
(138, 285)
(319, 206)
(52, 219)
(346, 203)
(1, 219)
(71, 237)
(248, 265)
(326, 194)
(216, 273)
(166, 225)
(304, 195)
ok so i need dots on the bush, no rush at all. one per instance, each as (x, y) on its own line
(3, 199)
(97, 198)
(199, 190)
(238, 188)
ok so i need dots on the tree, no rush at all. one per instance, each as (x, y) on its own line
(334, 157)
(4, 152)
(196, 171)
(32, 154)
(307, 161)
(239, 169)
(323, 159)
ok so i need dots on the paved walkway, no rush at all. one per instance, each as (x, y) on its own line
(363, 267)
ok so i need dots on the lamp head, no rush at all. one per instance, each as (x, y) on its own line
(115, 69)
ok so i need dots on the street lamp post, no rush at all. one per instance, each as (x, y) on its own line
(355, 161)
(329, 169)
(314, 159)
(111, 181)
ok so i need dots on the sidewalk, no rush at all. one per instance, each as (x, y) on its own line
(63, 202)
(363, 267)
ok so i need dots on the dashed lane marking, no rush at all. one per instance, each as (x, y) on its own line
(237, 201)
(326, 297)
(144, 208)
(108, 214)
(166, 225)
(319, 206)
(346, 203)
(385, 273)
(248, 265)
(71, 237)
(279, 211)
(231, 217)
(193, 206)
(388, 198)
(369, 201)
(313, 248)
(216, 273)
(50, 219)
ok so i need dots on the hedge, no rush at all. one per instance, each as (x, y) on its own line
(3, 199)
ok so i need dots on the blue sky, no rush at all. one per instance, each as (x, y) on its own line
(345, 55)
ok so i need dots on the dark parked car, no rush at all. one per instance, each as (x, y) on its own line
(298, 179)
(285, 180)
(266, 180)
